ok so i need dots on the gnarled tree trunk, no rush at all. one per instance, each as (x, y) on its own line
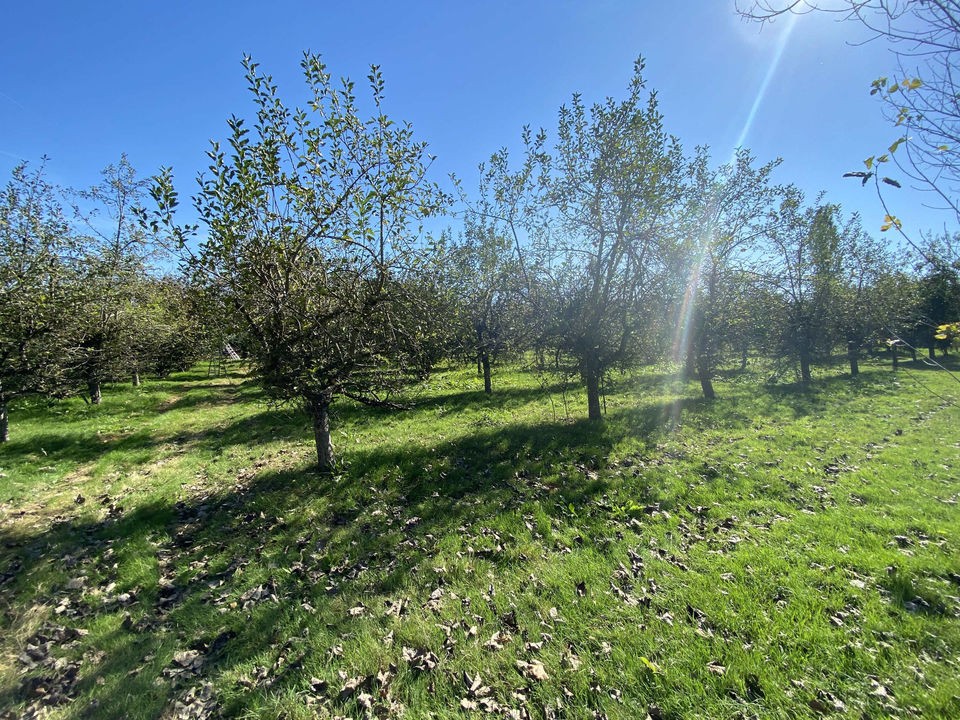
(4, 422)
(93, 388)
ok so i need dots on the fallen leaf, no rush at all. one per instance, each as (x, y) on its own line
(533, 670)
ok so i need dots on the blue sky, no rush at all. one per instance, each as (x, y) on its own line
(84, 82)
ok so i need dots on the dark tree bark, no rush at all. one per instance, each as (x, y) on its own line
(318, 408)
(93, 388)
(136, 378)
(591, 376)
(485, 364)
(852, 357)
(4, 423)
(895, 356)
(705, 376)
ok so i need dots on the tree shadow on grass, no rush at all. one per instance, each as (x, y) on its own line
(506, 398)
(942, 363)
(178, 593)
(815, 398)
(82, 445)
(222, 578)
(74, 447)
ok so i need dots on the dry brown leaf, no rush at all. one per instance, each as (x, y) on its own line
(533, 670)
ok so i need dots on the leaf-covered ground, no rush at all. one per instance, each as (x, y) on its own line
(778, 553)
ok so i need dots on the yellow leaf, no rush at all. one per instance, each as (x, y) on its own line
(868, 162)
(650, 666)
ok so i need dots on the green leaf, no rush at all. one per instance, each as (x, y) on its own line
(869, 162)
(898, 143)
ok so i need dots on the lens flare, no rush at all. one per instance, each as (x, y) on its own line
(784, 38)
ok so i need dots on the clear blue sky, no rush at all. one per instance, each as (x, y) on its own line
(83, 82)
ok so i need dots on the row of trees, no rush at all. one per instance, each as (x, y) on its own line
(603, 245)
(81, 300)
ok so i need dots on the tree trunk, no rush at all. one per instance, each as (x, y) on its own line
(852, 349)
(689, 366)
(805, 376)
(706, 381)
(485, 363)
(93, 387)
(743, 358)
(895, 356)
(591, 376)
(4, 423)
(319, 409)
(913, 353)
(932, 351)
(136, 378)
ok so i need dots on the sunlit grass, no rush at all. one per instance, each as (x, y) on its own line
(781, 552)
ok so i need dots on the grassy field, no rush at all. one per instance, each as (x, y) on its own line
(779, 553)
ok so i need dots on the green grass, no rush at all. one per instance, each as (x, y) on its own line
(781, 552)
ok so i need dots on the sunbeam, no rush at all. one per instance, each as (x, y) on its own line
(685, 320)
(791, 21)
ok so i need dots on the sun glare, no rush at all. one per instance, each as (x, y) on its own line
(781, 44)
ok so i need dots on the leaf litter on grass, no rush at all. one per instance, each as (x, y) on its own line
(528, 641)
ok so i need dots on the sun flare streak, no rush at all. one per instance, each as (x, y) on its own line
(683, 334)
(782, 41)
(681, 338)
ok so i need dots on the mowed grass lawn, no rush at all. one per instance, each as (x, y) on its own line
(778, 553)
